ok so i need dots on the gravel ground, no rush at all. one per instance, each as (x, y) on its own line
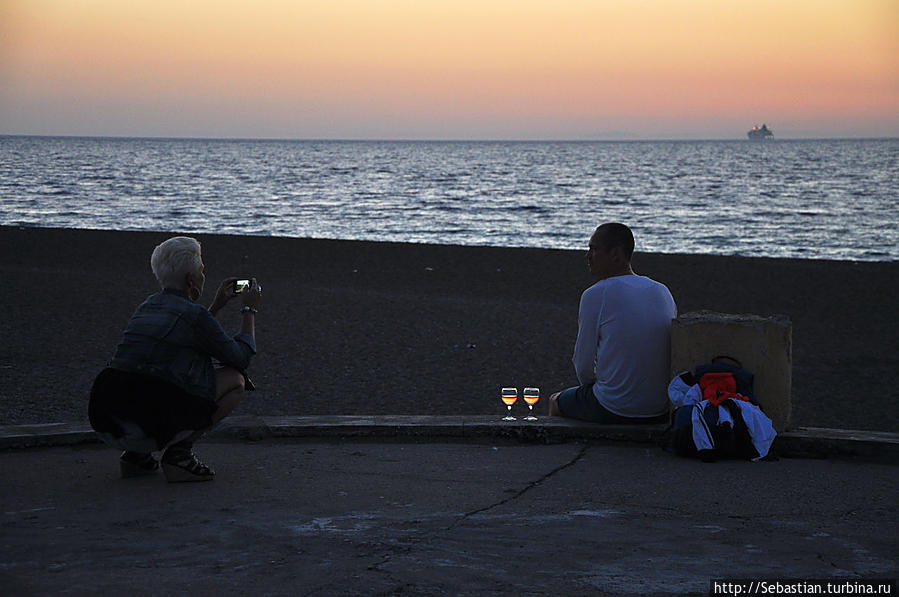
(363, 328)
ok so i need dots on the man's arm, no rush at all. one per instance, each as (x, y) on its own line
(585, 347)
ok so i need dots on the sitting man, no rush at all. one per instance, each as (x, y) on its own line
(621, 353)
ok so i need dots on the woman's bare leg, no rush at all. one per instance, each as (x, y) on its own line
(178, 461)
(229, 386)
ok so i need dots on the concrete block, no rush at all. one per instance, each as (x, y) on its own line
(764, 345)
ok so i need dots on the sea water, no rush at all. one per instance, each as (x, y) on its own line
(812, 199)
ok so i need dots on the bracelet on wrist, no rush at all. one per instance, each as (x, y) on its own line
(244, 310)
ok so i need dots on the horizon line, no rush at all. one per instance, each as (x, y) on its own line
(442, 140)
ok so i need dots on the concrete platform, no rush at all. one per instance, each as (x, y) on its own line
(357, 513)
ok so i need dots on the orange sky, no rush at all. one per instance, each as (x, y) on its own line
(461, 69)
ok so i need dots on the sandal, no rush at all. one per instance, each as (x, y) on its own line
(182, 466)
(137, 464)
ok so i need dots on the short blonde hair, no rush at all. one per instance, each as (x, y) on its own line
(174, 258)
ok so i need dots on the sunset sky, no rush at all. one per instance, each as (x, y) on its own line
(460, 69)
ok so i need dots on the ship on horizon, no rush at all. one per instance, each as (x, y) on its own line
(762, 132)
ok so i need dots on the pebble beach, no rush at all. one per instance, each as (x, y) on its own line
(358, 327)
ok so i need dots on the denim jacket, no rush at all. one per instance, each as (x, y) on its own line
(172, 338)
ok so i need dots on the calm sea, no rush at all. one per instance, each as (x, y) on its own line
(812, 199)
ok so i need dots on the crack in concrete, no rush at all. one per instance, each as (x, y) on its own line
(398, 547)
(525, 489)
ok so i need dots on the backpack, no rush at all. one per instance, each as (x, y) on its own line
(720, 440)
(711, 430)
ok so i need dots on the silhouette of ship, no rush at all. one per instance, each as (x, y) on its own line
(760, 133)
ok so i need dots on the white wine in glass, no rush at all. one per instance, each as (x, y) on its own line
(531, 396)
(509, 397)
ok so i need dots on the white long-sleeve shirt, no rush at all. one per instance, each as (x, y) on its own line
(624, 327)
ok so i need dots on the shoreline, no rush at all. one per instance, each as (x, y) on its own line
(167, 234)
(366, 327)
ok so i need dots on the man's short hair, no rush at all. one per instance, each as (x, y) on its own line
(614, 234)
(173, 259)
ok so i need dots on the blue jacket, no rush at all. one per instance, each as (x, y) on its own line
(172, 338)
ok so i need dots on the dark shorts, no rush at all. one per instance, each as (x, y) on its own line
(580, 403)
(143, 413)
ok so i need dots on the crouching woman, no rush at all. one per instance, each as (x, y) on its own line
(161, 391)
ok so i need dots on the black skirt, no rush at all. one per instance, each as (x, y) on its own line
(144, 413)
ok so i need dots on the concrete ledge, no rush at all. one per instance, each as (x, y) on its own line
(249, 427)
(811, 442)
(819, 442)
(546, 429)
(46, 434)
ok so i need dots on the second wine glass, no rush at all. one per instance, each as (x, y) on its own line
(531, 396)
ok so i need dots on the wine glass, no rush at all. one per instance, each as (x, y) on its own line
(509, 396)
(531, 396)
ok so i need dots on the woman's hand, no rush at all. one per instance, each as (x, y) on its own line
(252, 296)
(224, 294)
